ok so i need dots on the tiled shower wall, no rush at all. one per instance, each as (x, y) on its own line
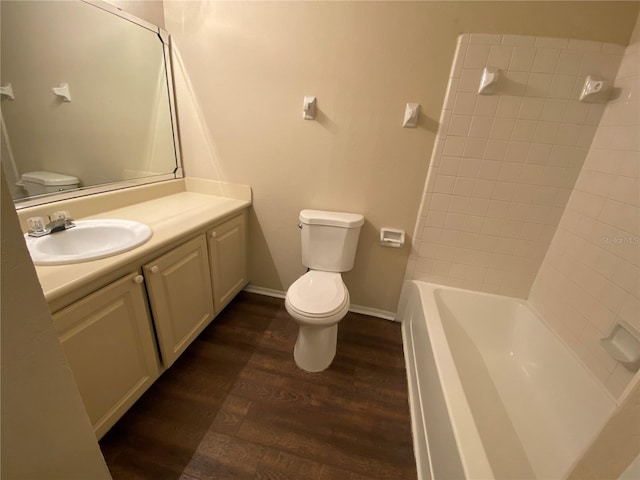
(504, 165)
(590, 277)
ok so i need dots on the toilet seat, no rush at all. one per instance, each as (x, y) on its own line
(318, 297)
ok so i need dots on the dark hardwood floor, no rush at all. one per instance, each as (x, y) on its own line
(235, 406)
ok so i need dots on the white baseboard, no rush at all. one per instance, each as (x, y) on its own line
(372, 312)
(269, 292)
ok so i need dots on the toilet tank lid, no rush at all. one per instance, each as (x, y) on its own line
(336, 219)
(49, 178)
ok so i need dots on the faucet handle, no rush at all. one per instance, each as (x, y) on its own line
(63, 215)
(37, 227)
(60, 220)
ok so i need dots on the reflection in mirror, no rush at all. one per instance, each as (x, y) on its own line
(118, 127)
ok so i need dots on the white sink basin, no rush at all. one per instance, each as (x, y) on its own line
(88, 240)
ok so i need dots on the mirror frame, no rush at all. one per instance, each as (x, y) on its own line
(165, 38)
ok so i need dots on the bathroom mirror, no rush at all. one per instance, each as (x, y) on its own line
(90, 98)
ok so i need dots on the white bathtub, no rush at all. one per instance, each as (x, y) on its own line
(493, 392)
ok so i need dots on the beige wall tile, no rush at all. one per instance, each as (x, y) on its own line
(595, 255)
(534, 148)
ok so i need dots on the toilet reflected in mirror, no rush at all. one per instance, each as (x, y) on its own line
(41, 183)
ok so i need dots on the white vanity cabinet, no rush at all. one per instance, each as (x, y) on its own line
(109, 337)
(179, 288)
(228, 259)
(108, 340)
(192, 283)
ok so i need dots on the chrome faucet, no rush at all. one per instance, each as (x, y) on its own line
(58, 221)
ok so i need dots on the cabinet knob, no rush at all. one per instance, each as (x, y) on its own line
(214, 234)
(154, 269)
(138, 279)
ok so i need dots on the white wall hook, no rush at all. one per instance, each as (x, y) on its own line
(595, 89)
(490, 76)
(411, 114)
(7, 90)
(309, 108)
(63, 91)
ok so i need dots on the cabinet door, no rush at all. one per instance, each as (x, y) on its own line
(108, 340)
(179, 287)
(228, 258)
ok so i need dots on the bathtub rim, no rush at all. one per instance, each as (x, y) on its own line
(418, 430)
(471, 452)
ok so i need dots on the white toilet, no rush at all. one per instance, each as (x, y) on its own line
(39, 183)
(319, 299)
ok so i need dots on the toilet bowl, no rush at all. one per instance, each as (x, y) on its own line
(319, 299)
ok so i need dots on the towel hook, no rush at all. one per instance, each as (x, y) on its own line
(7, 90)
(63, 91)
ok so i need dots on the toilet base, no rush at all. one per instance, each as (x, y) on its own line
(315, 347)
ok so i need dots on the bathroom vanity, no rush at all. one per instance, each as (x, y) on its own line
(124, 319)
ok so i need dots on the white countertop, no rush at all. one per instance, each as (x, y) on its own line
(170, 217)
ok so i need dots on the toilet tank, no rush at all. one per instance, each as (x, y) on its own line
(39, 183)
(329, 239)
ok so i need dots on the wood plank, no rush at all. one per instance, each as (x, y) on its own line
(235, 405)
(278, 465)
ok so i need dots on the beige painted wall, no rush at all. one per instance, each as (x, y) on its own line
(46, 432)
(249, 64)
